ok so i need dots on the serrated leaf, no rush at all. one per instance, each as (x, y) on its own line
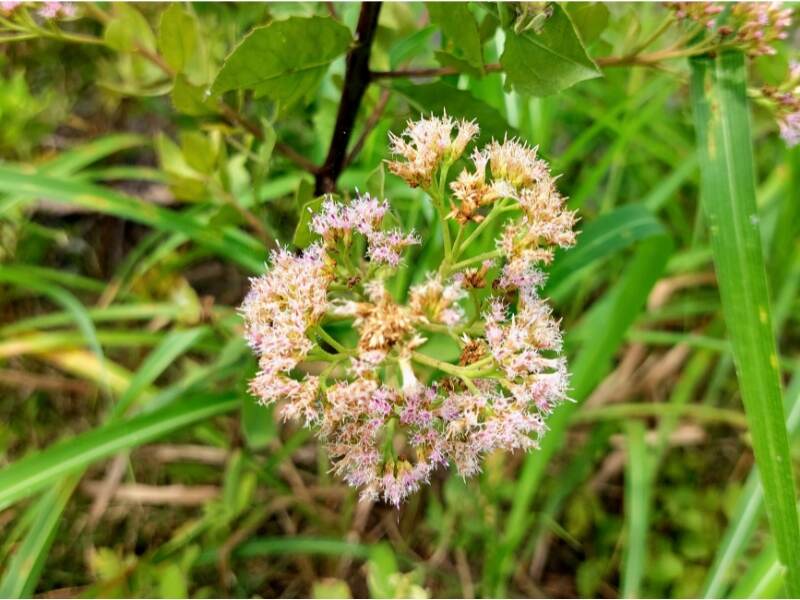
(544, 63)
(462, 38)
(284, 60)
(177, 36)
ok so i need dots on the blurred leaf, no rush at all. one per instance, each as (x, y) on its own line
(601, 238)
(460, 30)
(177, 36)
(192, 99)
(304, 198)
(544, 63)
(128, 29)
(438, 97)
(258, 425)
(39, 469)
(638, 486)
(589, 18)
(384, 579)
(376, 182)
(172, 582)
(331, 588)
(284, 60)
(23, 570)
(234, 244)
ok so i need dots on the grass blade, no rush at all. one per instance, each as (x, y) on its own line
(162, 356)
(38, 470)
(601, 333)
(748, 511)
(23, 570)
(226, 241)
(719, 98)
(637, 501)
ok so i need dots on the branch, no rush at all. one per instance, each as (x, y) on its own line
(356, 80)
(428, 72)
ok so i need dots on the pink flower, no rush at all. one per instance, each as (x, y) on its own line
(54, 10)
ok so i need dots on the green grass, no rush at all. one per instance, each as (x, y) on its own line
(668, 474)
(728, 195)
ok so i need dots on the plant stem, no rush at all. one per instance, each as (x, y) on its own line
(496, 211)
(475, 259)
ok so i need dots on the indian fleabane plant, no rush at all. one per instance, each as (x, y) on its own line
(388, 414)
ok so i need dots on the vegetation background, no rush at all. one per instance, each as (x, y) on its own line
(152, 154)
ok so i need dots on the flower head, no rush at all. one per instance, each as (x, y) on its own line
(55, 10)
(387, 408)
(426, 144)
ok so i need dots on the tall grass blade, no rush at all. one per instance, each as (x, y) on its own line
(23, 570)
(40, 469)
(226, 241)
(749, 510)
(637, 501)
(719, 98)
(599, 337)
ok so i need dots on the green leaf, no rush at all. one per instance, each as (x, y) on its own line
(605, 236)
(460, 30)
(304, 197)
(603, 330)
(438, 96)
(258, 425)
(547, 62)
(25, 278)
(158, 360)
(177, 36)
(23, 570)
(748, 512)
(637, 500)
(589, 18)
(229, 242)
(284, 60)
(376, 182)
(722, 121)
(128, 29)
(172, 582)
(331, 588)
(192, 99)
(40, 469)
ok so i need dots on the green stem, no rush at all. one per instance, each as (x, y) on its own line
(332, 341)
(498, 209)
(475, 259)
(697, 412)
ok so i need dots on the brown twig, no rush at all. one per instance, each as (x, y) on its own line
(180, 495)
(427, 72)
(356, 80)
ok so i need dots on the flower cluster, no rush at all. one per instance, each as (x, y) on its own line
(389, 409)
(753, 27)
(46, 10)
(426, 145)
(785, 103)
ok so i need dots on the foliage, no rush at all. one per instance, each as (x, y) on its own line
(153, 155)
